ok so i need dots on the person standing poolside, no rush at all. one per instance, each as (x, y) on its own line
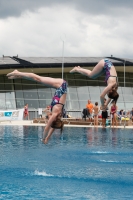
(104, 115)
(111, 79)
(26, 112)
(113, 112)
(96, 111)
(57, 103)
(90, 106)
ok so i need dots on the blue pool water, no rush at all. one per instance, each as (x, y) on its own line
(82, 163)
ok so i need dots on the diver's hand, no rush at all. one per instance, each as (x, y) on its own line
(104, 107)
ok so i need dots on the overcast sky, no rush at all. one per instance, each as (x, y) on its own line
(88, 28)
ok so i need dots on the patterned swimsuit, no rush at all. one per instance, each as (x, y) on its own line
(107, 65)
(58, 93)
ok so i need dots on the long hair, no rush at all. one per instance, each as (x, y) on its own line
(113, 95)
(58, 124)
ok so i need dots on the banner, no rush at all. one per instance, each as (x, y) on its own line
(10, 115)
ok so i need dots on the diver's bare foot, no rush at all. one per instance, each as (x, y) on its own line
(75, 69)
(14, 73)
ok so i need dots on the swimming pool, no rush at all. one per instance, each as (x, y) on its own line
(82, 163)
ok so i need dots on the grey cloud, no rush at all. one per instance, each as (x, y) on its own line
(102, 7)
(88, 31)
(14, 8)
(17, 7)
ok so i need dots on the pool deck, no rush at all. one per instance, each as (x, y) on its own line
(30, 123)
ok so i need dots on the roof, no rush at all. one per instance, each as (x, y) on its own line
(8, 62)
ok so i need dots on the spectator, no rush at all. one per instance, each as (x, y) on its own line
(85, 113)
(96, 111)
(131, 114)
(113, 112)
(104, 115)
(128, 114)
(120, 115)
(26, 112)
(90, 106)
(68, 116)
(64, 113)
